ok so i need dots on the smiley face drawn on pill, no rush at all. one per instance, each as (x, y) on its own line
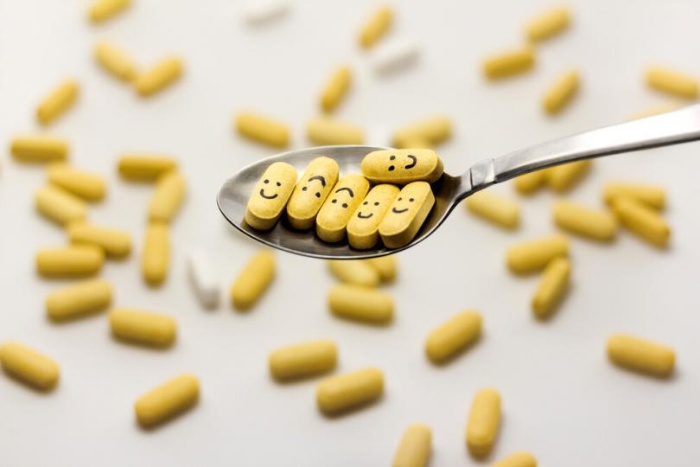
(262, 190)
(393, 162)
(395, 209)
(270, 196)
(402, 166)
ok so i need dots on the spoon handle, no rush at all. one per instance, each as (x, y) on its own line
(680, 126)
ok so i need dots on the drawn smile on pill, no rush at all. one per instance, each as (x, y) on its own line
(262, 190)
(398, 211)
(413, 164)
(359, 214)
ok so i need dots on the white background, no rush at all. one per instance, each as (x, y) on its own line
(561, 398)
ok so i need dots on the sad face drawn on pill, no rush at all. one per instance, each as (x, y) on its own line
(402, 166)
(351, 194)
(322, 181)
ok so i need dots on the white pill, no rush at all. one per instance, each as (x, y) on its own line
(394, 56)
(262, 11)
(204, 280)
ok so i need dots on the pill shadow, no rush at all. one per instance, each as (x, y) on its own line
(356, 409)
(457, 355)
(167, 421)
(25, 384)
(654, 378)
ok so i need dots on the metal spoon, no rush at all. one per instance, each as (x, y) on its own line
(675, 127)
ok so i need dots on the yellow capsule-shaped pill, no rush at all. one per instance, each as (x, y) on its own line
(79, 299)
(341, 393)
(642, 221)
(168, 400)
(57, 102)
(561, 92)
(376, 26)
(70, 261)
(39, 149)
(162, 75)
(454, 335)
(29, 366)
(325, 131)
(262, 129)
(363, 227)
(651, 195)
(167, 197)
(116, 243)
(303, 360)
(334, 215)
(102, 10)
(534, 255)
(564, 177)
(311, 191)
(406, 215)
(552, 287)
(402, 166)
(414, 447)
(270, 196)
(529, 183)
(253, 280)
(584, 221)
(484, 421)
(641, 355)
(89, 186)
(359, 303)
(509, 63)
(358, 272)
(116, 61)
(433, 130)
(155, 259)
(144, 168)
(517, 459)
(547, 24)
(494, 208)
(672, 82)
(143, 327)
(59, 205)
(336, 88)
(386, 267)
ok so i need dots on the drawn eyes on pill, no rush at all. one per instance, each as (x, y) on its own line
(401, 211)
(262, 190)
(367, 216)
(412, 164)
(350, 192)
(320, 178)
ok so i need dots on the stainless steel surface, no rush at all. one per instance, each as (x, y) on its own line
(676, 127)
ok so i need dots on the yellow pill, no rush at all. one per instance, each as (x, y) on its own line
(334, 215)
(336, 88)
(341, 393)
(560, 93)
(376, 26)
(115, 242)
(262, 129)
(29, 366)
(454, 335)
(529, 183)
(143, 327)
(414, 448)
(363, 227)
(167, 197)
(386, 267)
(311, 191)
(563, 177)
(69, 261)
(57, 102)
(641, 355)
(548, 24)
(89, 186)
(433, 130)
(359, 303)
(155, 259)
(162, 75)
(270, 196)
(655, 110)
(402, 166)
(253, 280)
(642, 220)
(303, 360)
(167, 401)
(406, 215)
(358, 272)
(552, 287)
(652, 195)
(509, 63)
(102, 10)
(584, 221)
(324, 131)
(59, 205)
(79, 299)
(672, 82)
(494, 208)
(39, 149)
(534, 255)
(484, 420)
(145, 168)
(517, 459)
(116, 61)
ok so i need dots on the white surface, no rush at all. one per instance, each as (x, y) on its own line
(561, 398)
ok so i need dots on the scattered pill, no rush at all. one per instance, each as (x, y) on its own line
(584, 221)
(376, 26)
(336, 88)
(314, 186)
(338, 394)
(406, 215)
(414, 447)
(642, 220)
(358, 272)
(394, 56)
(253, 280)
(641, 355)
(89, 186)
(334, 215)
(548, 24)
(262, 129)
(270, 196)
(259, 12)
(116, 243)
(303, 360)
(434, 130)
(402, 166)
(39, 149)
(115, 61)
(204, 280)
(534, 255)
(360, 303)
(517, 459)
(143, 327)
(509, 63)
(363, 226)
(80, 299)
(145, 168)
(59, 205)
(385, 266)
(167, 197)
(162, 75)
(672, 82)
(454, 335)
(57, 102)
(29, 366)
(560, 93)
(563, 178)
(155, 259)
(69, 261)
(529, 183)
(494, 208)
(326, 131)
(552, 287)
(102, 10)
(656, 110)
(484, 420)
(651, 195)
(168, 400)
